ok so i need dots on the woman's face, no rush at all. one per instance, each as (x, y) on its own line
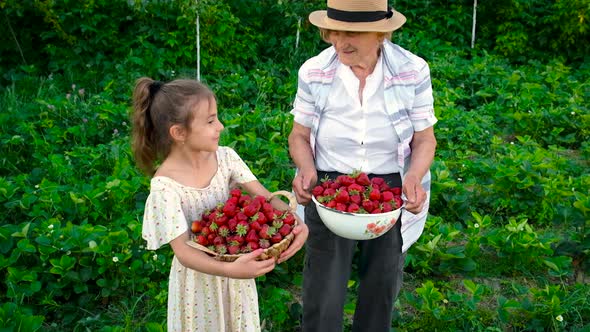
(356, 48)
(205, 128)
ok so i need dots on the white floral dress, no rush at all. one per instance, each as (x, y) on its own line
(198, 301)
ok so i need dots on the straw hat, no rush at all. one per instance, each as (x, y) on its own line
(358, 15)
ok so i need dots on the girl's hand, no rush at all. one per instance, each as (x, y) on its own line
(247, 267)
(301, 231)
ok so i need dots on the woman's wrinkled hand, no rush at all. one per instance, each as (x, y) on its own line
(415, 194)
(303, 184)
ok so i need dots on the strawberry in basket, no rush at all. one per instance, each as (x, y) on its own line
(243, 224)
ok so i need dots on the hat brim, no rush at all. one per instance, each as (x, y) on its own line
(320, 19)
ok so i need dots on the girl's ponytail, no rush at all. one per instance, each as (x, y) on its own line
(142, 142)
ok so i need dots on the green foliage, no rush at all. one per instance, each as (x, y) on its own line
(520, 29)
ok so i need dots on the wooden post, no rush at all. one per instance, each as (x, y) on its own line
(198, 50)
(473, 27)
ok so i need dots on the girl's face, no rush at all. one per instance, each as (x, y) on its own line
(356, 48)
(205, 128)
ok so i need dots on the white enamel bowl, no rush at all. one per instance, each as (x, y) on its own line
(357, 226)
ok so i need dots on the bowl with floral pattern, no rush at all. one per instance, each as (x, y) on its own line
(357, 226)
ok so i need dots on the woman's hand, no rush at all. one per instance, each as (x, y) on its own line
(247, 267)
(415, 194)
(303, 184)
(301, 231)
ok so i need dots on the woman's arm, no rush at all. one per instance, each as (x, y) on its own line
(301, 153)
(423, 147)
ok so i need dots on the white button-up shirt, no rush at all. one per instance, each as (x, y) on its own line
(355, 135)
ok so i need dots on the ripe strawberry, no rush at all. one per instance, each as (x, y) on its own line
(233, 249)
(202, 240)
(377, 181)
(368, 206)
(289, 219)
(374, 194)
(266, 231)
(342, 196)
(386, 196)
(269, 215)
(244, 200)
(353, 208)
(341, 207)
(218, 240)
(356, 199)
(276, 238)
(260, 217)
(251, 246)
(285, 230)
(335, 185)
(363, 179)
(232, 224)
(386, 207)
(211, 237)
(267, 207)
(255, 226)
(317, 191)
(205, 216)
(396, 191)
(329, 192)
(252, 208)
(355, 188)
(331, 204)
(230, 209)
(235, 239)
(205, 231)
(264, 243)
(196, 226)
(398, 202)
(240, 216)
(345, 180)
(223, 230)
(242, 228)
(220, 249)
(221, 220)
(252, 236)
(384, 187)
(233, 200)
(236, 192)
(261, 199)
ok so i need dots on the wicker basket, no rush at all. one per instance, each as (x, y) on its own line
(273, 251)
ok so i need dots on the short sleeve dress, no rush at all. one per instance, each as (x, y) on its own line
(198, 301)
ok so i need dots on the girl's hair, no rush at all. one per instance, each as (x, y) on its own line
(157, 106)
(325, 34)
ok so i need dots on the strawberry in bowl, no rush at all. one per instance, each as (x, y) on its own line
(356, 207)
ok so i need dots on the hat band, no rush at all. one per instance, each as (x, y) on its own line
(346, 16)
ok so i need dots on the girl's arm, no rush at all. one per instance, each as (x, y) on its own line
(300, 230)
(245, 267)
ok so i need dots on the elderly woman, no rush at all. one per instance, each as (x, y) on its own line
(364, 104)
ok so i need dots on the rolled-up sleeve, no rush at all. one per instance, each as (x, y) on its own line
(422, 113)
(303, 106)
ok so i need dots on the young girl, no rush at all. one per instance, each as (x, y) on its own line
(175, 124)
